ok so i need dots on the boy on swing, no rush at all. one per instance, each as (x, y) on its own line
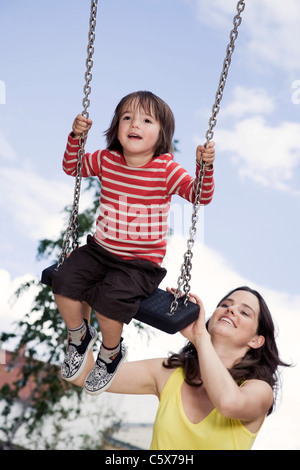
(121, 263)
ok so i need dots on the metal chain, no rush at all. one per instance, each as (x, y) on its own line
(183, 282)
(72, 229)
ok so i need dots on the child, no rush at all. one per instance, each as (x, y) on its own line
(121, 263)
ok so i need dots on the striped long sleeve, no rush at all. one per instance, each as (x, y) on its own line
(135, 201)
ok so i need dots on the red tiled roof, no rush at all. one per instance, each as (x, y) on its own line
(11, 371)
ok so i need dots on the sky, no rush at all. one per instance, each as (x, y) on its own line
(175, 48)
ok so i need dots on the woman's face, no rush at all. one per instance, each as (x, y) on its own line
(237, 318)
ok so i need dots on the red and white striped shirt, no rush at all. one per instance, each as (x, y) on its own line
(135, 201)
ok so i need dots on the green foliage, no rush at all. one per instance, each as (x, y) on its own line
(43, 333)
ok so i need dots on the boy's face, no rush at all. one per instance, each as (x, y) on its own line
(138, 134)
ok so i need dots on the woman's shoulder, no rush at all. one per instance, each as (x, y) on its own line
(163, 377)
(262, 390)
(257, 383)
(155, 368)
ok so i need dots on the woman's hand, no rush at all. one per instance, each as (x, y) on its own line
(198, 327)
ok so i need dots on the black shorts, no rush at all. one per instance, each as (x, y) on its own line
(111, 285)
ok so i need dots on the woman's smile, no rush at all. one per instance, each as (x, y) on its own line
(227, 320)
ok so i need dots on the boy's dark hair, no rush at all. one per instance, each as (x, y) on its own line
(153, 105)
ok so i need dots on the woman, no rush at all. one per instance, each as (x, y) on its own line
(225, 378)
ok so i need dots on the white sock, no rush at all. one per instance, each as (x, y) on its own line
(109, 354)
(77, 335)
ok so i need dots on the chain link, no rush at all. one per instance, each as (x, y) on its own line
(72, 229)
(183, 281)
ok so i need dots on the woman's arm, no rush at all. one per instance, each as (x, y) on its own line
(247, 403)
(137, 377)
(140, 377)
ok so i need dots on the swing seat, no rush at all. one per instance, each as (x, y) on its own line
(154, 310)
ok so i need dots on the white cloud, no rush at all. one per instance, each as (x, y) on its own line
(249, 101)
(219, 14)
(273, 28)
(6, 150)
(12, 309)
(268, 155)
(270, 28)
(35, 202)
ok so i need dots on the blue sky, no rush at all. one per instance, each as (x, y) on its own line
(174, 48)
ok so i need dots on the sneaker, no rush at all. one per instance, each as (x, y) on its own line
(102, 374)
(75, 359)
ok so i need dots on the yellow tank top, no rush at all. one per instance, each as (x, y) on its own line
(173, 431)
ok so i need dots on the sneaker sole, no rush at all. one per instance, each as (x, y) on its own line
(98, 392)
(80, 370)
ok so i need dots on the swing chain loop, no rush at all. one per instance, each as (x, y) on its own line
(72, 229)
(226, 64)
(186, 267)
(185, 273)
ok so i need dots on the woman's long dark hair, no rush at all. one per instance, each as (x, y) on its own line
(261, 363)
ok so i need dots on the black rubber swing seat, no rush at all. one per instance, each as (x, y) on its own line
(154, 310)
